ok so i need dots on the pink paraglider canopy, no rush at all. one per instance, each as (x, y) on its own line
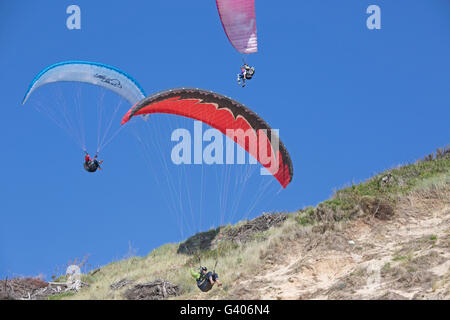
(239, 22)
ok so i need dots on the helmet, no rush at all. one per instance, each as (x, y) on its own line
(203, 268)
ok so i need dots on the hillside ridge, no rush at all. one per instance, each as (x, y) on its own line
(385, 238)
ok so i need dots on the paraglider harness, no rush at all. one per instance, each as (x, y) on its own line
(203, 282)
(91, 165)
(249, 72)
(246, 74)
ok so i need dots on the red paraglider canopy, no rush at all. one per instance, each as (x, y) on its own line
(227, 116)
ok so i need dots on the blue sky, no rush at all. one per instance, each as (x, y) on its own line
(349, 102)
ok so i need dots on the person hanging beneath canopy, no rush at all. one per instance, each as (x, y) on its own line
(205, 280)
(247, 73)
(91, 164)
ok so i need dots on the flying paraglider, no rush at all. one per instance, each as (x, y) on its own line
(239, 23)
(92, 73)
(230, 117)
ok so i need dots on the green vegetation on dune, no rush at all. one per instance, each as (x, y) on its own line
(61, 296)
(378, 195)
